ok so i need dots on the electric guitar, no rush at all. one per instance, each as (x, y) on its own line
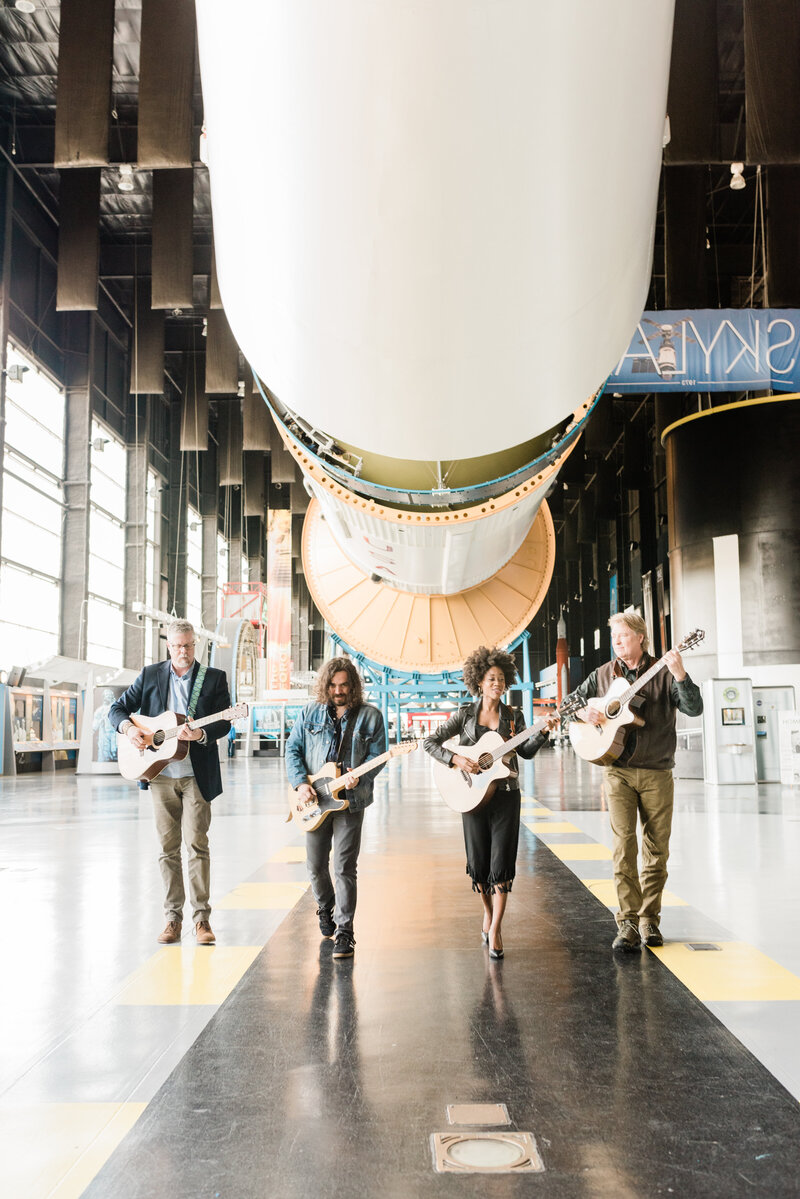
(603, 743)
(309, 814)
(465, 792)
(161, 734)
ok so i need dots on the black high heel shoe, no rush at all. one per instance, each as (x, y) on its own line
(496, 954)
(484, 937)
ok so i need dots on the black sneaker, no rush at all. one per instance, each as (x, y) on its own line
(627, 938)
(344, 945)
(326, 923)
(650, 933)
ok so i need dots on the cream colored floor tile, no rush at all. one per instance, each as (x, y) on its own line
(604, 889)
(267, 896)
(289, 853)
(190, 975)
(551, 826)
(54, 1150)
(580, 852)
(738, 972)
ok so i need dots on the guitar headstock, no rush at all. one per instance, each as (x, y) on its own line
(691, 640)
(570, 706)
(404, 747)
(238, 712)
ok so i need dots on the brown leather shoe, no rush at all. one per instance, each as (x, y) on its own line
(202, 930)
(171, 934)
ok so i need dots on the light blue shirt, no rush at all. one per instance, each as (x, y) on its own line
(180, 692)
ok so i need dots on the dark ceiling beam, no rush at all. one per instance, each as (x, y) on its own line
(125, 261)
(693, 83)
(166, 84)
(78, 240)
(83, 100)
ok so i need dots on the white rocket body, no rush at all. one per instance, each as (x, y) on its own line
(443, 239)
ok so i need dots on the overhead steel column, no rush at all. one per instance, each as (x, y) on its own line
(208, 488)
(176, 517)
(79, 343)
(134, 634)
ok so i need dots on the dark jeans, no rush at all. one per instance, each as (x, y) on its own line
(343, 831)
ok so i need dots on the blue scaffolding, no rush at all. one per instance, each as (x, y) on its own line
(388, 688)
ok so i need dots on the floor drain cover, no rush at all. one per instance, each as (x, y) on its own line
(477, 1113)
(703, 946)
(485, 1153)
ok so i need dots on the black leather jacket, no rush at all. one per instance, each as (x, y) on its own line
(463, 726)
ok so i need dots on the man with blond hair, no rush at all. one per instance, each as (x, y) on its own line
(640, 783)
(183, 791)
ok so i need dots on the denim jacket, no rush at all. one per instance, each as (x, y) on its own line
(310, 740)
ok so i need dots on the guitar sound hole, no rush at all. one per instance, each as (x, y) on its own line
(613, 709)
(485, 761)
(158, 737)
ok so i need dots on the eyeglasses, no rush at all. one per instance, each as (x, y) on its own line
(178, 648)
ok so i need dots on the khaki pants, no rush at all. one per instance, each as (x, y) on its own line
(648, 794)
(180, 810)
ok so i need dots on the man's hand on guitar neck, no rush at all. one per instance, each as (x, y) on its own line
(187, 734)
(675, 665)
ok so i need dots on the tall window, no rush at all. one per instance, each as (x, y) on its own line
(194, 566)
(32, 515)
(105, 604)
(152, 583)
(222, 570)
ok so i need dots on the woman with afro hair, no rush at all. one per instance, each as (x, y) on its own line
(491, 833)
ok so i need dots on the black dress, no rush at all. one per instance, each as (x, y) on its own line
(491, 834)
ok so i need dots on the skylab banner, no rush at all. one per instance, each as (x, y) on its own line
(716, 349)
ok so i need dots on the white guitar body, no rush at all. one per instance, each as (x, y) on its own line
(603, 743)
(465, 792)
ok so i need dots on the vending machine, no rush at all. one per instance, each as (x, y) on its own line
(729, 754)
(767, 703)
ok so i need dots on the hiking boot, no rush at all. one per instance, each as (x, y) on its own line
(203, 933)
(171, 934)
(650, 933)
(327, 925)
(344, 945)
(627, 937)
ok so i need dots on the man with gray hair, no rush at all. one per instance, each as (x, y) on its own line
(183, 791)
(640, 782)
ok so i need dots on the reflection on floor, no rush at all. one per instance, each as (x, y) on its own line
(331, 1077)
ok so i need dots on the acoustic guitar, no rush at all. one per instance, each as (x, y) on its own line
(309, 814)
(466, 792)
(603, 743)
(161, 734)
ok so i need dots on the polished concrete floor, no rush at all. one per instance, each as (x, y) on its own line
(261, 1067)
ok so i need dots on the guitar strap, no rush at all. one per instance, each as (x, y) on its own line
(343, 756)
(198, 685)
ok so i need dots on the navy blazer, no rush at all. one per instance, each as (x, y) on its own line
(149, 695)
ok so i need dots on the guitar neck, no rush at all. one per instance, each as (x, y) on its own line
(364, 768)
(650, 673)
(197, 724)
(519, 738)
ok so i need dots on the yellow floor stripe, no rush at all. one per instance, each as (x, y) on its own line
(54, 1150)
(551, 826)
(580, 852)
(738, 972)
(605, 891)
(267, 896)
(290, 853)
(190, 975)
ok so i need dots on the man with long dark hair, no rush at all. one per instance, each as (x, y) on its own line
(337, 726)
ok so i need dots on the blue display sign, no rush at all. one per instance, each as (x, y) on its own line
(715, 349)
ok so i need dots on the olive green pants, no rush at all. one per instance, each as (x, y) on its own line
(648, 794)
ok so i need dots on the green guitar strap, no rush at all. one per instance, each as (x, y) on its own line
(198, 684)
